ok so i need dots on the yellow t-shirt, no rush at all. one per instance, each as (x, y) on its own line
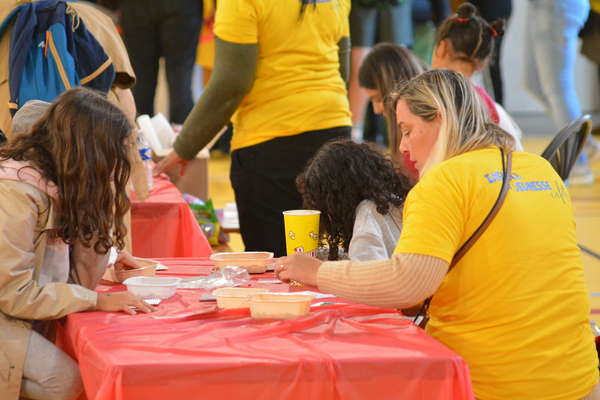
(516, 306)
(297, 86)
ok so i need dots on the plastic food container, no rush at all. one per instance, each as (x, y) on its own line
(152, 287)
(279, 305)
(235, 297)
(147, 268)
(255, 262)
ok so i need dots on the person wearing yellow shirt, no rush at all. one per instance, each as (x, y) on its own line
(515, 306)
(279, 74)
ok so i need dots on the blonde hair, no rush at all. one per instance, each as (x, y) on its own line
(465, 122)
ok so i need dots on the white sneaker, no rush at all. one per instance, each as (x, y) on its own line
(581, 175)
(592, 149)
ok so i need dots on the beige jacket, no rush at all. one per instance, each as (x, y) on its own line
(34, 270)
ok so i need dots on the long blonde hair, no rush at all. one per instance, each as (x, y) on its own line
(465, 122)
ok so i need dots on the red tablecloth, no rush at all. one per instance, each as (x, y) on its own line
(191, 350)
(164, 225)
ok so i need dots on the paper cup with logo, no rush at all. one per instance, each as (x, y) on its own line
(301, 232)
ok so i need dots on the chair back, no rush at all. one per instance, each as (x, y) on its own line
(564, 150)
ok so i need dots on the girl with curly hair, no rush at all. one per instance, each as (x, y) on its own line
(360, 196)
(60, 216)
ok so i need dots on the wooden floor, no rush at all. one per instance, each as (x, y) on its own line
(586, 205)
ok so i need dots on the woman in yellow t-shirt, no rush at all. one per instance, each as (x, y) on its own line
(279, 75)
(516, 306)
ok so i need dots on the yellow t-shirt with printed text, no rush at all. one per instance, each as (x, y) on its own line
(516, 306)
(297, 85)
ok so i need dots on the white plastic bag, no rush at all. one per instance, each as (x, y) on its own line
(225, 277)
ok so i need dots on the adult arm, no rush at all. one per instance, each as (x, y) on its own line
(399, 282)
(230, 81)
(344, 47)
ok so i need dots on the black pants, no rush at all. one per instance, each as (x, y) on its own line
(263, 179)
(162, 28)
(491, 10)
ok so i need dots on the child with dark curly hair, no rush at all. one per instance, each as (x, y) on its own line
(360, 196)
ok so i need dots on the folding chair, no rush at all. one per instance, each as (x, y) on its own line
(567, 145)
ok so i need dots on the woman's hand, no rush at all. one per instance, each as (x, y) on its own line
(122, 301)
(298, 267)
(125, 261)
(169, 161)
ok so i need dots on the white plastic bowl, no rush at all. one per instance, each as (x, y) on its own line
(152, 287)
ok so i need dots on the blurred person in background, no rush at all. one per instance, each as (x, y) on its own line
(279, 74)
(549, 51)
(371, 22)
(465, 41)
(493, 10)
(427, 16)
(162, 28)
(385, 66)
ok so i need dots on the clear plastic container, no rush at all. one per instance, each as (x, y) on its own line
(147, 268)
(145, 150)
(235, 297)
(279, 305)
(152, 287)
(255, 262)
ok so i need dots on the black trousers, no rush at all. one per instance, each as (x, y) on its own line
(162, 28)
(263, 179)
(491, 10)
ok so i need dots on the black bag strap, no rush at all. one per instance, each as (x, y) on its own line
(506, 172)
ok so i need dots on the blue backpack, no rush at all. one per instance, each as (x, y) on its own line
(50, 52)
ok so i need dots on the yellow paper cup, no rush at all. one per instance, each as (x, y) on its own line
(301, 231)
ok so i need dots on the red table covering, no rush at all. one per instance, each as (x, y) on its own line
(164, 225)
(191, 350)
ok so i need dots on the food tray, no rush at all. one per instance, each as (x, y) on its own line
(147, 268)
(235, 297)
(152, 287)
(255, 262)
(279, 305)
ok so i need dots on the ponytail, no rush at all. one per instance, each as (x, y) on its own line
(472, 38)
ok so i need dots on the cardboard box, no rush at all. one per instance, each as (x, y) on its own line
(195, 180)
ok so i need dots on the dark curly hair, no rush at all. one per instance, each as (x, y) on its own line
(79, 143)
(341, 175)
